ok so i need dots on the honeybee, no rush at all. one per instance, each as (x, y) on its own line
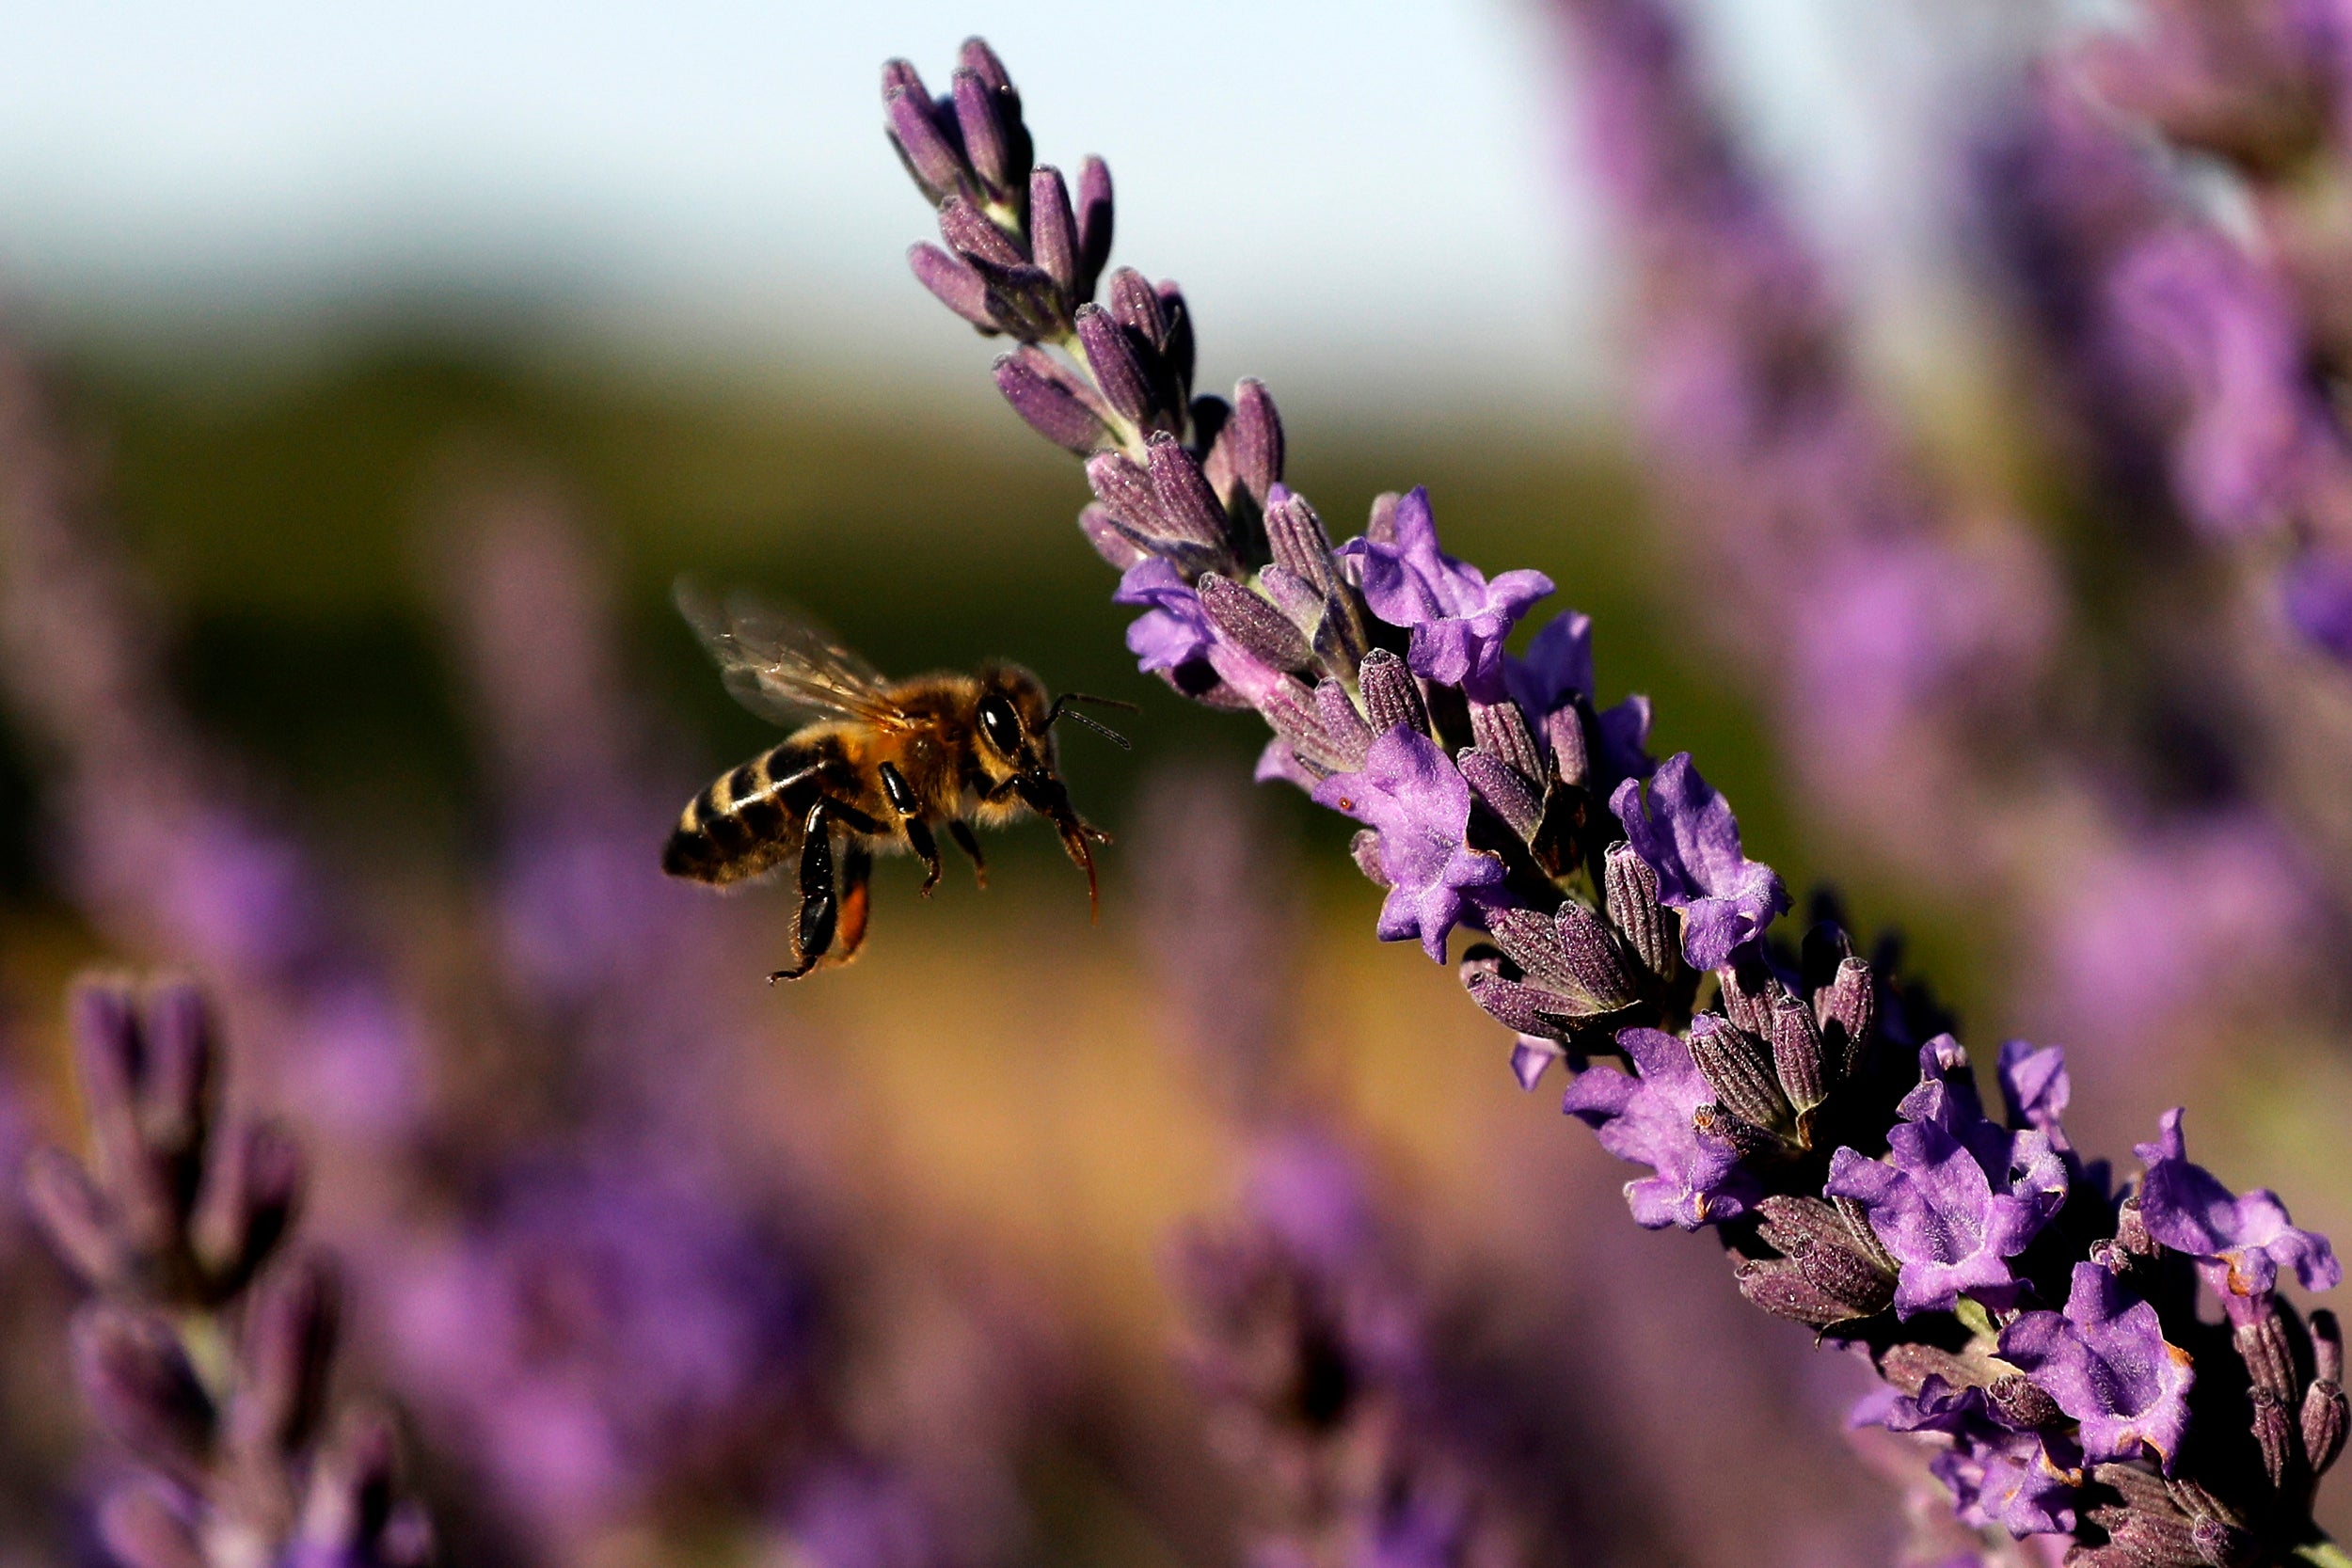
(871, 763)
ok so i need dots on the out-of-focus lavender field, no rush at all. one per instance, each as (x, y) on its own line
(346, 682)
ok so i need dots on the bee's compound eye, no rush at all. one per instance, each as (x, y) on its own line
(1001, 725)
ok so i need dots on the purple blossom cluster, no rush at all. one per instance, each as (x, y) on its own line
(2033, 1321)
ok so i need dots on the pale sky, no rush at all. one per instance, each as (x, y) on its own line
(1337, 185)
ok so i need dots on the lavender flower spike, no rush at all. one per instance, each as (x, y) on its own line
(1688, 835)
(1761, 1119)
(2106, 1362)
(2239, 1242)
(1413, 796)
(1458, 619)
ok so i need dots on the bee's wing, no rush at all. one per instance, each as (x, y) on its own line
(781, 666)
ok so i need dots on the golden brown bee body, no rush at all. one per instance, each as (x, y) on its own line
(887, 763)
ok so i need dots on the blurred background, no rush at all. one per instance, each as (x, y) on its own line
(377, 369)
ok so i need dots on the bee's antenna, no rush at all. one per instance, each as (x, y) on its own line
(1062, 709)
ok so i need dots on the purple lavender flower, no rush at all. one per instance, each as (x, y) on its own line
(2106, 1362)
(2240, 1244)
(1685, 833)
(1957, 1196)
(2036, 1087)
(1457, 617)
(1412, 793)
(1999, 1475)
(1645, 1116)
(1174, 630)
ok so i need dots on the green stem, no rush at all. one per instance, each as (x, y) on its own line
(2323, 1554)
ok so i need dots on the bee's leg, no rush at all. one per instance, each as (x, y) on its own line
(819, 905)
(918, 833)
(857, 870)
(960, 830)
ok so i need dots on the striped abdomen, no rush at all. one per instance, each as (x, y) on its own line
(748, 820)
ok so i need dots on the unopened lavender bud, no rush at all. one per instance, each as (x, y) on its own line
(1391, 696)
(1343, 722)
(1295, 536)
(138, 1380)
(1022, 298)
(74, 1217)
(975, 57)
(2324, 1414)
(1532, 942)
(2131, 1231)
(1866, 1240)
(2146, 1539)
(249, 1206)
(1054, 229)
(146, 1193)
(2262, 1345)
(2274, 1435)
(176, 1081)
(1632, 887)
(1050, 408)
(1183, 494)
(1749, 993)
(972, 236)
(1737, 1067)
(1251, 625)
(930, 156)
(1289, 706)
(2224, 1545)
(1255, 433)
(1118, 371)
(1572, 758)
(2019, 1402)
(1094, 225)
(2325, 1418)
(953, 284)
(1782, 1287)
(1518, 1007)
(1365, 850)
(1123, 486)
(1136, 305)
(1503, 791)
(1812, 1236)
(985, 142)
(1845, 1010)
(1593, 956)
(142, 1526)
(1380, 526)
(1797, 1055)
(284, 1359)
(1299, 600)
(1500, 730)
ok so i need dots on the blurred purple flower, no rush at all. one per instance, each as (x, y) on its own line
(1645, 1116)
(1413, 796)
(1685, 833)
(2106, 1362)
(2240, 1244)
(1458, 619)
(2316, 591)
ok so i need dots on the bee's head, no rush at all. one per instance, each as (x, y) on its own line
(1015, 719)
